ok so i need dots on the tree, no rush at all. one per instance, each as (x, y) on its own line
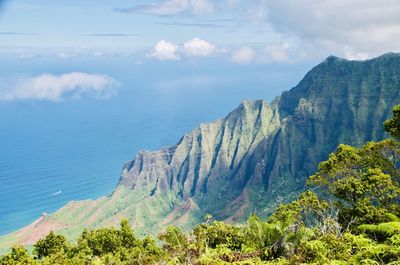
(218, 233)
(102, 241)
(18, 256)
(363, 181)
(126, 234)
(392, 126)
(51, 244)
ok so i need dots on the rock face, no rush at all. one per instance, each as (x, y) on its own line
(207, 160)
(270, 150)
(257, 157)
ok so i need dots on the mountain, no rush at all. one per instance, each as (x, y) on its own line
(255, 158)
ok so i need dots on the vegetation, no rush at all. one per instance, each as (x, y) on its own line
(350, 215)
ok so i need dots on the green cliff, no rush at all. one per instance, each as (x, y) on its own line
(257, 157)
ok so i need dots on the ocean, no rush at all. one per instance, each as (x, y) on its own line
(54, 152)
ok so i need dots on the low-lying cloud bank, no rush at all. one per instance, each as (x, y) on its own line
(196, 47)
(49, 87)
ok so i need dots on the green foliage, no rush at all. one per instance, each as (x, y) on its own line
(126, 235)
(381, 231)
(219, 233)
(392, 126)
(289, 240)
(102, 241)
(362, 181)
(174, 238)
(51, 244)
(102, 246)
(18, 256)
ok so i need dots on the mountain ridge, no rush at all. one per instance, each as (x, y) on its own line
(255, 158)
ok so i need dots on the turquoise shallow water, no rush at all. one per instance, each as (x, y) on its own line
(51, 153)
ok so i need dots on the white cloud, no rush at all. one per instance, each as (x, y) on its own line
(243, 55)
(59, 87)
(366, 27)
(165, 50)
(198, 48)
(168, 51)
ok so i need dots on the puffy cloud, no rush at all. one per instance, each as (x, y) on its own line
(198, 48)
(243, 55)
(367, 27)
(59, 87)
(165, 50)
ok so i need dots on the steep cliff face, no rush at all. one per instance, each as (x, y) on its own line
(260, 153)
(205, 158)
(257, 157)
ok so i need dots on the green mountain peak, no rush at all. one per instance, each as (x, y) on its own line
(255, 158)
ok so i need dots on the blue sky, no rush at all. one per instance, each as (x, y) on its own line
(186, 32)
(113, 24)
(282, 30)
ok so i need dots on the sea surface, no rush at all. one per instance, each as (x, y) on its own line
(54, 152)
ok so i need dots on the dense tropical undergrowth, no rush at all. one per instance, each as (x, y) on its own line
(350, 215)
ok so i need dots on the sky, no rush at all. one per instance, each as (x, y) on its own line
(242, 32)
(247, 30)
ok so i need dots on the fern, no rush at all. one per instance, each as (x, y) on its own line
(381, 231)
(392, 218)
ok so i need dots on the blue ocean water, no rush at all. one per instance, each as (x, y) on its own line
(51, 153)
